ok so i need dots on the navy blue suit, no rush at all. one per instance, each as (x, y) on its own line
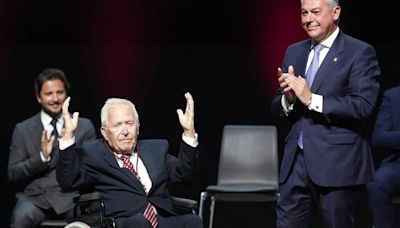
(336, 154)
(386, 139)
(93, 166)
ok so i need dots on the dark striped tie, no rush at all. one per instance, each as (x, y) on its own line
(149, 212)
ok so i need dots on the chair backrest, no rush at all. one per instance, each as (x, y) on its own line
(249, 155)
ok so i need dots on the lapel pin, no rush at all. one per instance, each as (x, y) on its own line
(335, 59)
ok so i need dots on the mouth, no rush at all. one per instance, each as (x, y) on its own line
(126, 140)
(312, 27)
(55, 106)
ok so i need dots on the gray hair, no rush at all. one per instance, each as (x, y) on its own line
(116, 101)
(331, 3)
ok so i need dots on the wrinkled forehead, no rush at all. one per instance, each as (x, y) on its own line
(120, 113)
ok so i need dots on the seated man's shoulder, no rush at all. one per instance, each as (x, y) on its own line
(85, 121)
(153, 142)
(30, 121)
(393, 90)
(93, 144)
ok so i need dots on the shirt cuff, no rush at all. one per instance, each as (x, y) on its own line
(43, 158)
(287, 108)
(191, 141)
(66, 143)
(316, 103)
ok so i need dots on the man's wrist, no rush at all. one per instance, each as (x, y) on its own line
(315, 103)
(64, 143)
(189, 133)
(43, 158)
(191, 141)
(309, 102)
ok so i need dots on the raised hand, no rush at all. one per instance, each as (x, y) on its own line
(186, 118)
(70, 123)
(47, 145)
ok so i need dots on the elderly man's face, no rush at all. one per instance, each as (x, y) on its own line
(121, 130)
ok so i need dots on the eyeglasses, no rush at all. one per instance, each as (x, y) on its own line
(117, 127)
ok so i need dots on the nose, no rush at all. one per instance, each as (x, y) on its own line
(55, 97)
(124, 129)
(309, 17)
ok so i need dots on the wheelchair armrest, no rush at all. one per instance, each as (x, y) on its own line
(184, 203)
(87, 197)
(89, 208)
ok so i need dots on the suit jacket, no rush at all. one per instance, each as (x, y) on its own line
(94, 166)
(336, 147)
(35, 178)
(386, 136)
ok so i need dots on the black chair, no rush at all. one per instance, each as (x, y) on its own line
(248, 167)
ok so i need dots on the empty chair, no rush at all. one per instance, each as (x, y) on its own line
(248, 167)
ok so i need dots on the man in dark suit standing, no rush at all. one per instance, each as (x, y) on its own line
(386, 140)
(132, 175)
(34, 154)
(327, 159)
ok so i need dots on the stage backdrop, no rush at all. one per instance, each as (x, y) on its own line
(225, 53)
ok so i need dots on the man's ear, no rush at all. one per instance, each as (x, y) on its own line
(104, 133)
(336, 12)
(38, 99)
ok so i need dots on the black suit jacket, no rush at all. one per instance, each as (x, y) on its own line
(94, 166)
(35, 178)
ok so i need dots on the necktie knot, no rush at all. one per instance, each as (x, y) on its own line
(317, 48)
(126, 160)
(126, 157)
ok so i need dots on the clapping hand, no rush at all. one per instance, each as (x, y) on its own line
(47, 144)
(294, 87)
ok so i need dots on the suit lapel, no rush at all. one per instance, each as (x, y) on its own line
(302, 60)
(329, 64)
(147, 160)
(128, 177)
(37, 130)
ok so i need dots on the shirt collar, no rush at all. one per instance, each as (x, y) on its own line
(328, 42)
(46, 119)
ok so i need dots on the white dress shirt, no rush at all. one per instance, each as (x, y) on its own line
(46, 122)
